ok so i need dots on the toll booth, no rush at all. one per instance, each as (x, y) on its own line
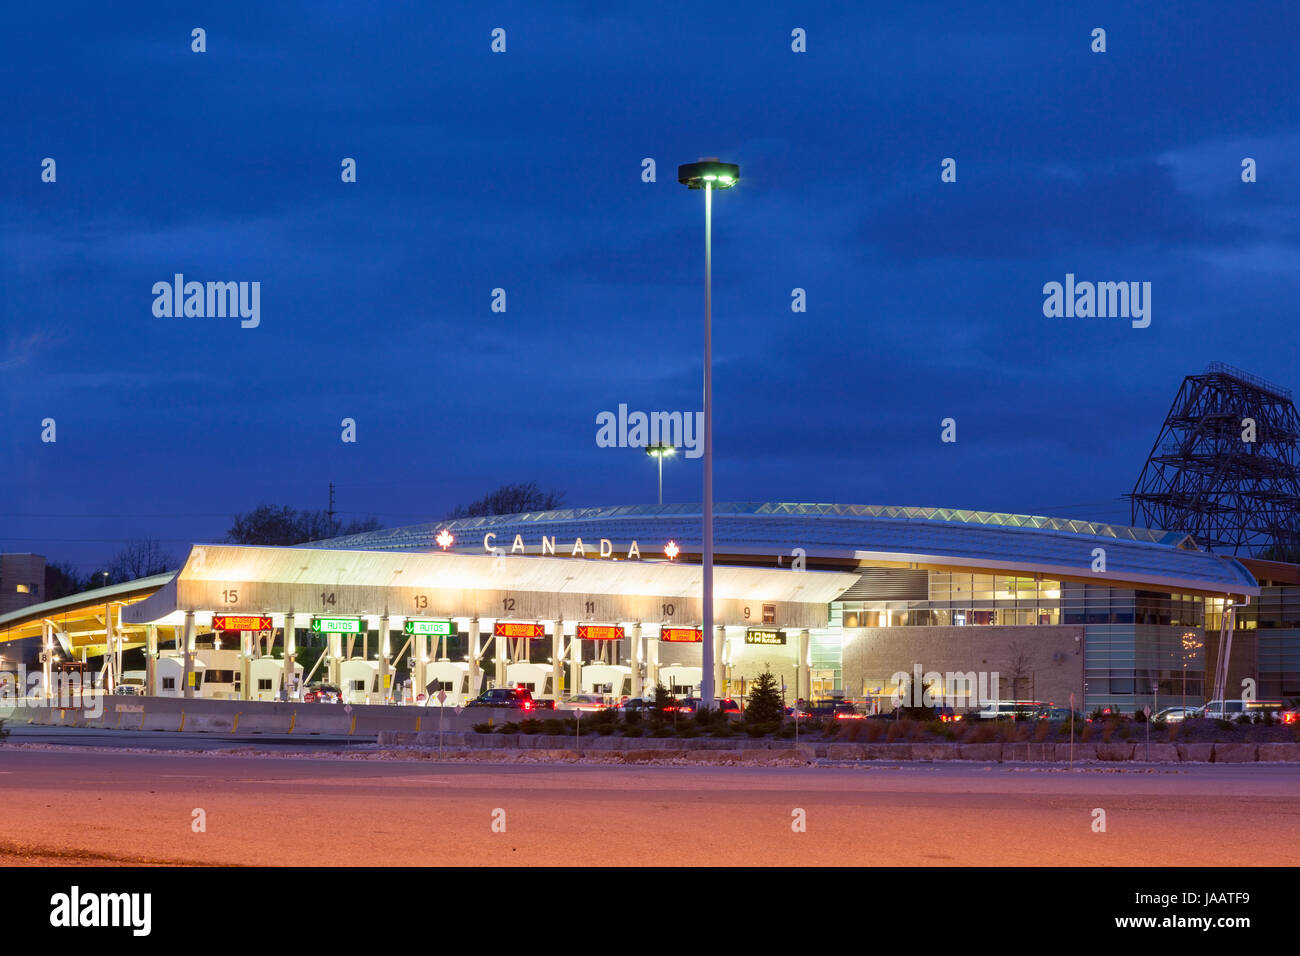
(452, 678)
(359, 681)
(171, 674)
(266, 675)
(680, 679)
(536, 677)
(611, 681)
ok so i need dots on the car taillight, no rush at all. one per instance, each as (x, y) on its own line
(528, 705)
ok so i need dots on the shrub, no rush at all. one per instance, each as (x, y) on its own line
(1223, 724)
(633, 730)
(899, 729)
(530, 725)
(1244, 719)
(1042, 730)
(873, 729)
(723, 730)
(786, 732)
(553, 726)
(605, 729)
(483, 728)
(689, 730)
(662, 732)
(509, 727)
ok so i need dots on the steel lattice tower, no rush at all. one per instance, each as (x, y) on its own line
(1203, 478)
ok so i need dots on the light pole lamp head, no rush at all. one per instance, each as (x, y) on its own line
(708, 172)
(661, 451)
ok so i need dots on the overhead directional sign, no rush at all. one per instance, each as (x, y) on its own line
(600, 632)
(240, 622)
(433, 628)
(764, 635)
(516, 629)
(338, 625)
(680, 635)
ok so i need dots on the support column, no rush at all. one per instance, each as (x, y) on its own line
(47, 659)
(419, 666)
(803, 686)
(188, 638)
(651, 665)
(719, 639)
(335, 652)
(382, 650)
(110, 650)
(151, 661)
(557, 659)
(247, 644)
(499, 648)
(475, 649)
(637, 659)
(575, 665)
(290, 655)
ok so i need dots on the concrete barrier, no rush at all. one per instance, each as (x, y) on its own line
(1195, 753)
(1113, 752)
(1279, 753)
(162, 719)
(209, 723)
(322, 719)
(987, 752)
(1234, 753)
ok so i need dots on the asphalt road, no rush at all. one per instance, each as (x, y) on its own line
(86, 807)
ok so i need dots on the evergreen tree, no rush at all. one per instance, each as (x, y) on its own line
(764, 704)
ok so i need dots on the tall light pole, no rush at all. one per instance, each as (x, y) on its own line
(661, 452)
(708, 174)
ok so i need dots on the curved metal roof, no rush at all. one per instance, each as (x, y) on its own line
(865, 533)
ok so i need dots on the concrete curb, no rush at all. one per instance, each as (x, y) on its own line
(757, 752)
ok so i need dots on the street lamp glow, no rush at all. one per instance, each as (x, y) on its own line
(708, 174)
(661, 451)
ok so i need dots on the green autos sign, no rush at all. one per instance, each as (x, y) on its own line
(338, 625)
(433, 628)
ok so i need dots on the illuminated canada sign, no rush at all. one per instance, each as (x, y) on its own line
(604, 548)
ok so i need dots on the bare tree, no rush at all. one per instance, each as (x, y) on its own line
(280, 525)
(1019, 668)
(139, 559)
(511, 500)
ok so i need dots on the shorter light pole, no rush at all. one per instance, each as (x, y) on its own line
(661, 451)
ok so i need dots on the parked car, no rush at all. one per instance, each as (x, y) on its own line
(1172, 715)
(839, 709)
(637, 705)
(1289, 716)
(543, 703)
(727, 705)
(514, 698)
(322, 694)
(1010, 710)
(584, 702)
(128, 690)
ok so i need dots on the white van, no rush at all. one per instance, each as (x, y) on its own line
(1233, 708)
